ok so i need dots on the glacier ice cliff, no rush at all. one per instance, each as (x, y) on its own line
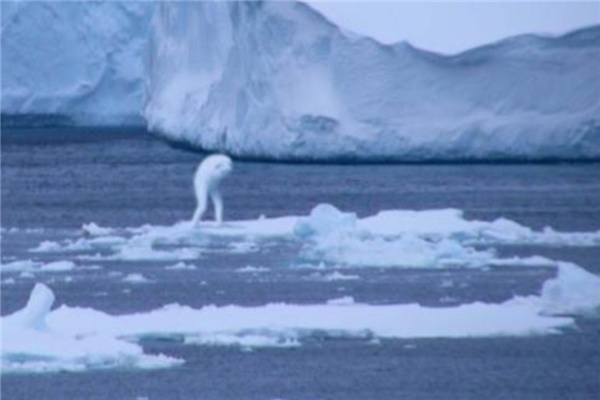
(75, 62)
(276, 80)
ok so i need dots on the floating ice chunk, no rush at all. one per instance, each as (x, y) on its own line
(58, 266)
(451, 223)
(574, 291)
(181, 266)
(395, 238)
(79, 244)
(30, 266)
(47, 246)
(31, 344)
(142, 252)
(339, 238)
(422, 239)
(92, 229)
(250, 268)
(300, 321)
(323, 220)
(135, 278)
(37, 339)
(20, 266)
(334, 276)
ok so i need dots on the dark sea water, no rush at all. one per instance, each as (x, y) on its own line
(58, 179)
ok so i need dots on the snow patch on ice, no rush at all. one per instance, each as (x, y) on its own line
(252, 269)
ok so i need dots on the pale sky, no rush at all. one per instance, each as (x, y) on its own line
(453, 26)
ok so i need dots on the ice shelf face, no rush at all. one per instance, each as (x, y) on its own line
(76, 62)
(279, 81)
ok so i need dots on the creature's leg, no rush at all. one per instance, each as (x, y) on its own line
(201, 200)
(218, 204)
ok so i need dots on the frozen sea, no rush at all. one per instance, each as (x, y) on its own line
(56, 180)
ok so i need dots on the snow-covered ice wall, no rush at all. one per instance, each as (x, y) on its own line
(80, 62)
(276, 80)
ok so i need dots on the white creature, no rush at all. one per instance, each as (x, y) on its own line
(211, 171)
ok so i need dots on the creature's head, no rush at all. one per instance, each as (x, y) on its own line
(217, 166)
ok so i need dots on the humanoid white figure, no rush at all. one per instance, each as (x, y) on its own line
(211, 171)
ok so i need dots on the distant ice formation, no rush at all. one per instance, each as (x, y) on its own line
(74, 62)
(277, 81)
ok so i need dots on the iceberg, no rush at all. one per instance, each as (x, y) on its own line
(278, 81)
(74, 62)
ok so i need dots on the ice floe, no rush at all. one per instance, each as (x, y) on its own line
(31, 266)
(252, 269)
(36, 339)
(397, 238)
(181, 266)
(332, 277)
(32, 343)
(136, 278)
